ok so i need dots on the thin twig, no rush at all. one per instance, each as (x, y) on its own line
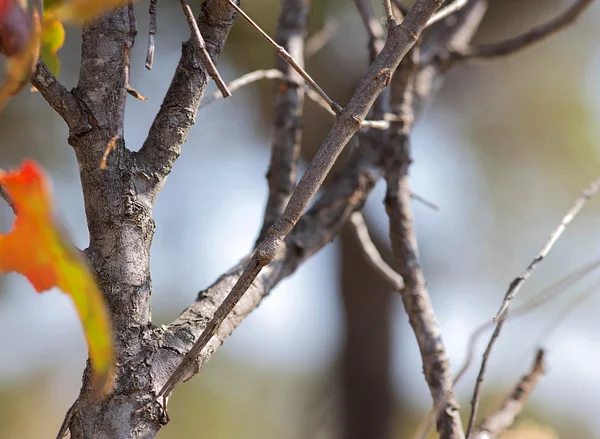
(457, 5)
(258, 75)
(320, 39)
(496, 423)
(242, 81)
(281, 52)
(389, 14)
(346, 124)
(516, 284)
(151, 34)
(371, 254)
(204, 56)
(527, 39)
(546, 295)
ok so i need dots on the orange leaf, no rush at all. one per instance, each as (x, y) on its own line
(37, 248)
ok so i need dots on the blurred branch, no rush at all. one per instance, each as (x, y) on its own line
(319, 39)
(60, 99)
(372, 26)
(527, 39)
(446, 11)
(209, 66)
(289, 102)
(371, 254)
(517, 283)
(495, 424)
(177, 113)
(346, 124)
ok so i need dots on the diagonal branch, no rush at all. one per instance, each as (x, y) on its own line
(495, 424)
(527, 39)
(60, 99)
(177, 113)
(346, 124)
(289, 101)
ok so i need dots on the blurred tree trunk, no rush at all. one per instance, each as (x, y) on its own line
(366, 388)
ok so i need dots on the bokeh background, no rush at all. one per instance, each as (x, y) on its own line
(504, 150)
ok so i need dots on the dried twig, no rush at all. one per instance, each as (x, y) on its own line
(289, 102)
(496, 423)
(457, 5)
(516, 285)
(346, 124)
(281, 52)
(204, 56)
(527, 39)
(151, 34)
(371, 254)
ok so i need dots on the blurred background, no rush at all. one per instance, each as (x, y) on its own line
(504, 150)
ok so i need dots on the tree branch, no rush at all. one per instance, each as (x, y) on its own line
(415, 297)
(371, 254)
(527, 39)
(60, 99)
(178, 110)
(346, 124)
(289, 101)
(495, 424)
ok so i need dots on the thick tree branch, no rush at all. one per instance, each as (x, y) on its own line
(60, 99)
(178, 110)
(346, 124)
(495, 424)
(527, 39)
(289, 101)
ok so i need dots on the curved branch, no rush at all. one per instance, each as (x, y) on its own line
(527, 39)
